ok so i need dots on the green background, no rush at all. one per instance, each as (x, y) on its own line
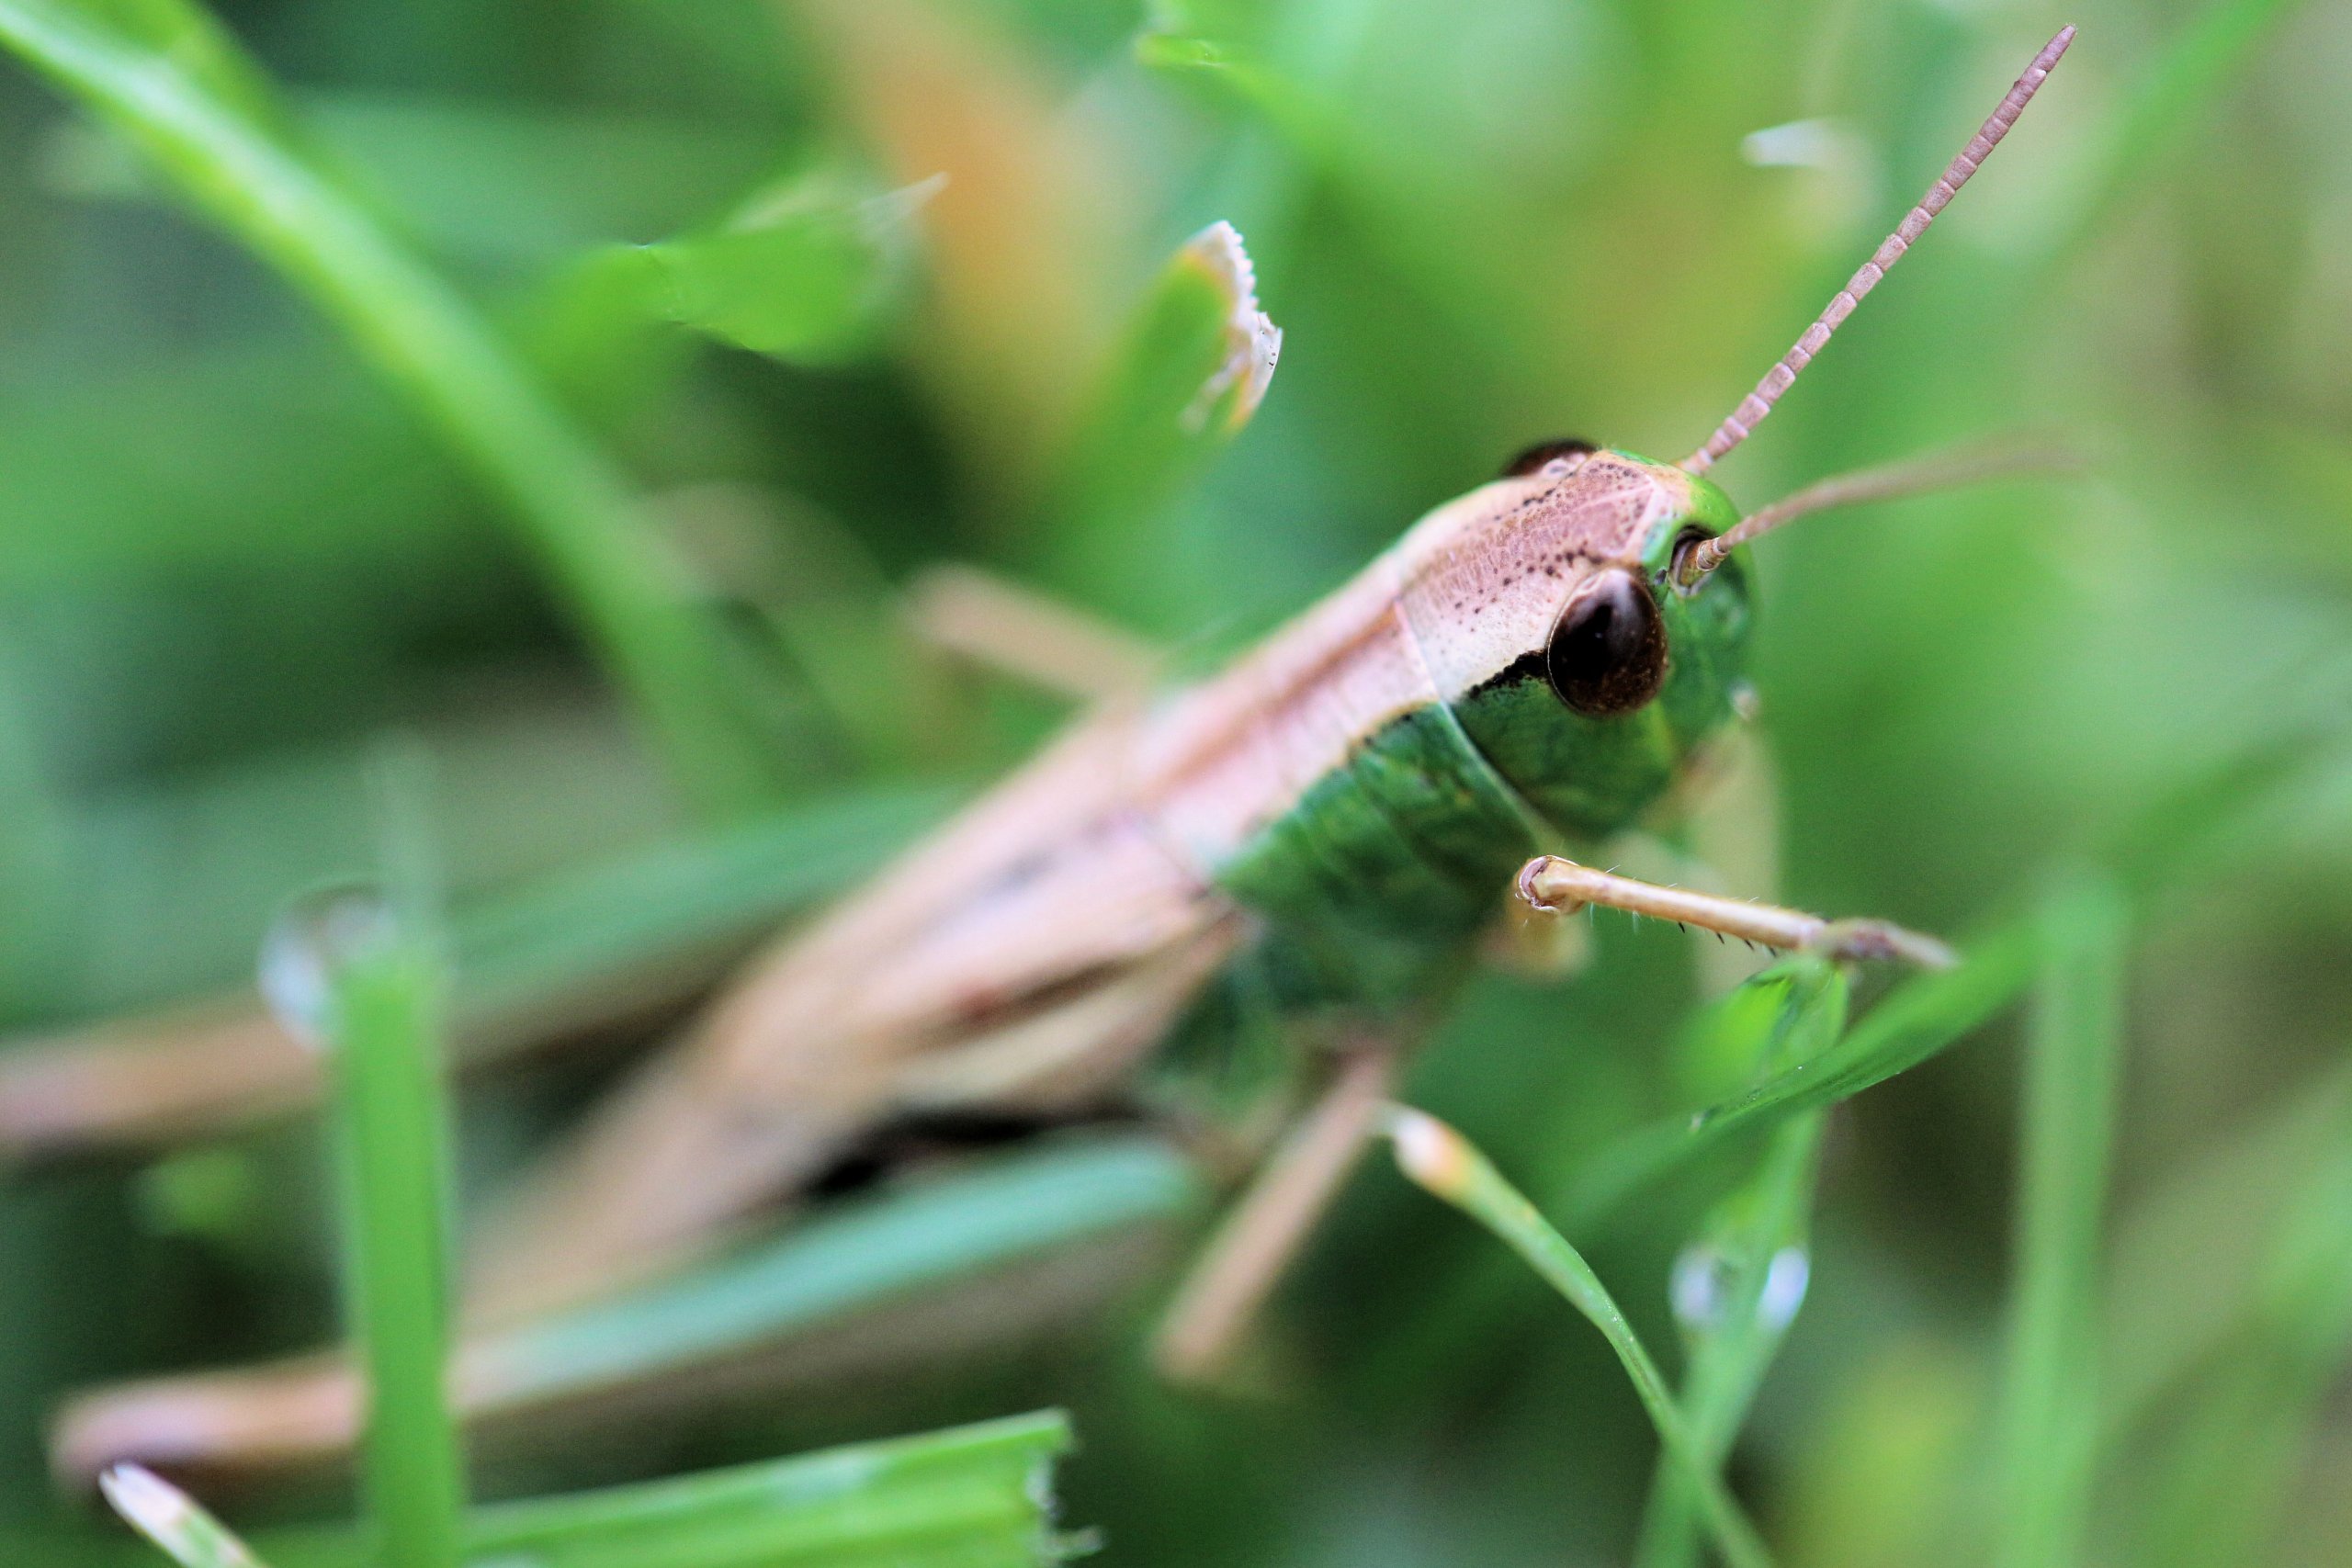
(234, 558)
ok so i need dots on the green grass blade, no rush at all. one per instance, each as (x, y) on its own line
(379, 993)
(172, 1520)
(803, 271)
(1929, 1013)
(1195, 362)
(976, 1497)
(1738, 1284)
(971, 1497)
(858, 1258)
(1438, 1158)
(633, 594)
(2049, 1395)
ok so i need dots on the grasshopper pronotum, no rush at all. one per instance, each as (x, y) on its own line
(1536, 661)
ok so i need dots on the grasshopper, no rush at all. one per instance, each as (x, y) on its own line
(1537, 663)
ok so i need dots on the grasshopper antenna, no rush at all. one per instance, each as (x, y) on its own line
(1913, 475)
(1758, 403)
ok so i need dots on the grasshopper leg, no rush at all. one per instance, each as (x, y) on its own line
(1549, 882)
(1245, 1259)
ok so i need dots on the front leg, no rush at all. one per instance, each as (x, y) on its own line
(1549, 882)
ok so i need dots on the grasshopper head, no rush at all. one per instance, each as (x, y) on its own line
(1580, 616)
(1558, 629)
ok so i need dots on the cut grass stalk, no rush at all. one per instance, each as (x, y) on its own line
(172, 1520)
(379, 993)
(971, 1497)
(1439, 1159)
(177, 86)
(976, 1497)
(2050, 1395)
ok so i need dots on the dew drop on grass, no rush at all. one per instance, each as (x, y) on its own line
(1705, 1280)
(1700, 1284)
(1784, 1285)
(314, 936)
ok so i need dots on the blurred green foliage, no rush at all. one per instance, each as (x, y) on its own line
(646, 356)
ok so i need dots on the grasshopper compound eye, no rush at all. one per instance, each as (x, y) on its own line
(1536, 458)
(1607, 654)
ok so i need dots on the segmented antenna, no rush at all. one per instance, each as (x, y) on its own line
(1758, 403)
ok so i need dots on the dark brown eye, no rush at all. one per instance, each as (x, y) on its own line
(1543, 452)
(1607, 655)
